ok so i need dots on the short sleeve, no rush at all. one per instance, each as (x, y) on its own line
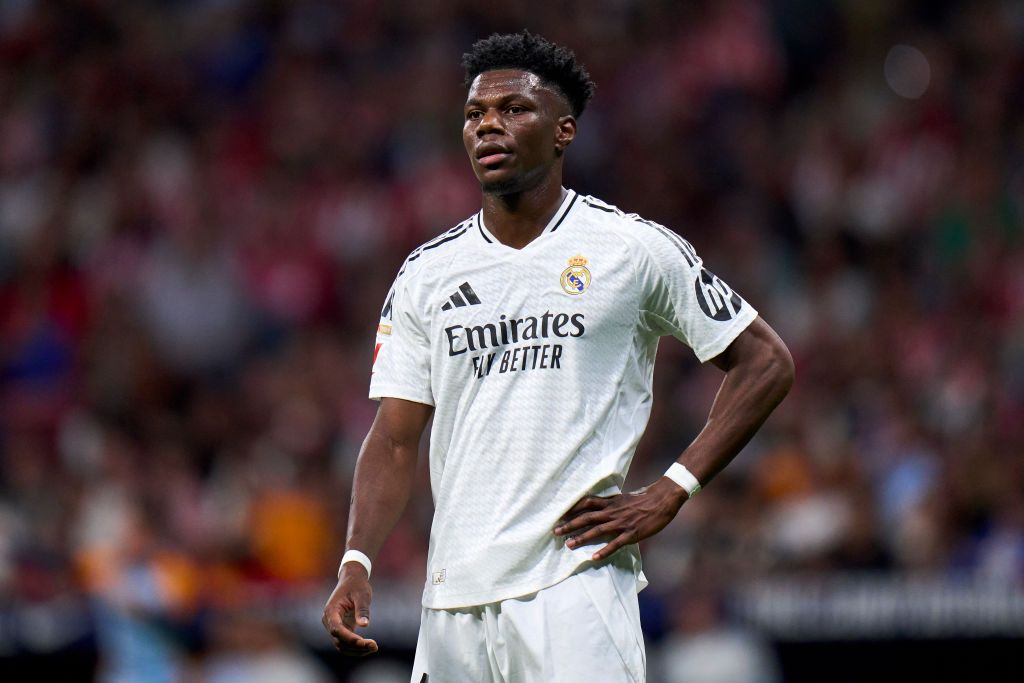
(683, 298)
(401, 356)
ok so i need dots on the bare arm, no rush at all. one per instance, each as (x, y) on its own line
(758, 375)
(383, 482)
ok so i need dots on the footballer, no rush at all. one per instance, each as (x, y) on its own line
(529, 331)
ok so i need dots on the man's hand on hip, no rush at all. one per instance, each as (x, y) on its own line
(349, 608)
(624, 518)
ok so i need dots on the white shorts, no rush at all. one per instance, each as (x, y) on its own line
(585, 629)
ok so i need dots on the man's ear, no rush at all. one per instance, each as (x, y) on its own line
(565, 133)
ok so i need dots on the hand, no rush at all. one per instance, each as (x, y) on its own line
(624, 518)
(347, 608)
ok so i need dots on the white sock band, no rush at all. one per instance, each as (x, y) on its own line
(355, 556)
(684, 477)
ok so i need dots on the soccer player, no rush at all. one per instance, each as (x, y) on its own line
(529, 330)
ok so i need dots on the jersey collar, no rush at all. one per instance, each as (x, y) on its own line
(564, 209)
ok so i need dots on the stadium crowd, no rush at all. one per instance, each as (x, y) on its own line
(203, 203)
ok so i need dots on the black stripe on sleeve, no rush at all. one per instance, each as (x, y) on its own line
(449, 238)
(457, 231)
(460, 228)
(600, 206)
(684, 247)
(436, 243)
(689, 254)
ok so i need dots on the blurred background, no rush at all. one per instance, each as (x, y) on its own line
(203, 203)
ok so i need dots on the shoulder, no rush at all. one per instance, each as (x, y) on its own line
(408, 281)
(442, 246)
(641, 235)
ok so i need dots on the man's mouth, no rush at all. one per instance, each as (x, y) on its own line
(493, 159)
(491, 155)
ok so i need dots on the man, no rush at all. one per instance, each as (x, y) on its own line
(530, 331)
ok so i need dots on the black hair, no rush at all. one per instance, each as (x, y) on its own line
(554, 64)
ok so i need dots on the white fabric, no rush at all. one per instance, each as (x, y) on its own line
(356, 556)
(582, 630)
(684, 477)
(541, 395)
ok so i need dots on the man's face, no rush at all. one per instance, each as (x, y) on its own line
(515, 129)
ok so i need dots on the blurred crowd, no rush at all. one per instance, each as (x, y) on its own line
(203, 203)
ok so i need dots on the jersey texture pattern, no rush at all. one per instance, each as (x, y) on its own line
(539, 364)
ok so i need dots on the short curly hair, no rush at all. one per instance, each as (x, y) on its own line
(554, 64)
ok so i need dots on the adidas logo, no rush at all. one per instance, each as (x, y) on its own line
(464, 297)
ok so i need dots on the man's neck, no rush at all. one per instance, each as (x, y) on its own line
(518, 219)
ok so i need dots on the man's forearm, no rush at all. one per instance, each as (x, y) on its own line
(384, 474)
(758, 376)
(759, 373)
(383, 480)
(380, 492)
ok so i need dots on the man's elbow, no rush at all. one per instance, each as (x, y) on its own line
(781, 369)
(762, 359)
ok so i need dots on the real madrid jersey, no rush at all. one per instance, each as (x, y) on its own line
(539, 364)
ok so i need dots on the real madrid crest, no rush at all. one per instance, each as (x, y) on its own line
(576, 278)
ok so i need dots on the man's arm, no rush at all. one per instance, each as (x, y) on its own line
(758, 375)
(383, 481)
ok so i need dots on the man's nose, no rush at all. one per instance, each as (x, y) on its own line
(490, 122)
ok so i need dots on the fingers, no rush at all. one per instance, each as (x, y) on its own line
(586, 512)
(345, 611)
(346, 640)
(623, 539)
(361, 601)
(593, 519)
(580, 522)
(332, 617)
(594, 533)
(350, 643)
(584, 504)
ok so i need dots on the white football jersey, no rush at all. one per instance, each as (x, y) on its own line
(538, 362)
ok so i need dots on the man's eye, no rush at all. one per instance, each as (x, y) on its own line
(475, 114)
(515, 109)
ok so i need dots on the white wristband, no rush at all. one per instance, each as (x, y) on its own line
(684, 477)
(355, 556)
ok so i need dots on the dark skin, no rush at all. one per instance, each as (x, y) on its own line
(384, 475)
(758, 375)
(516, 131)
